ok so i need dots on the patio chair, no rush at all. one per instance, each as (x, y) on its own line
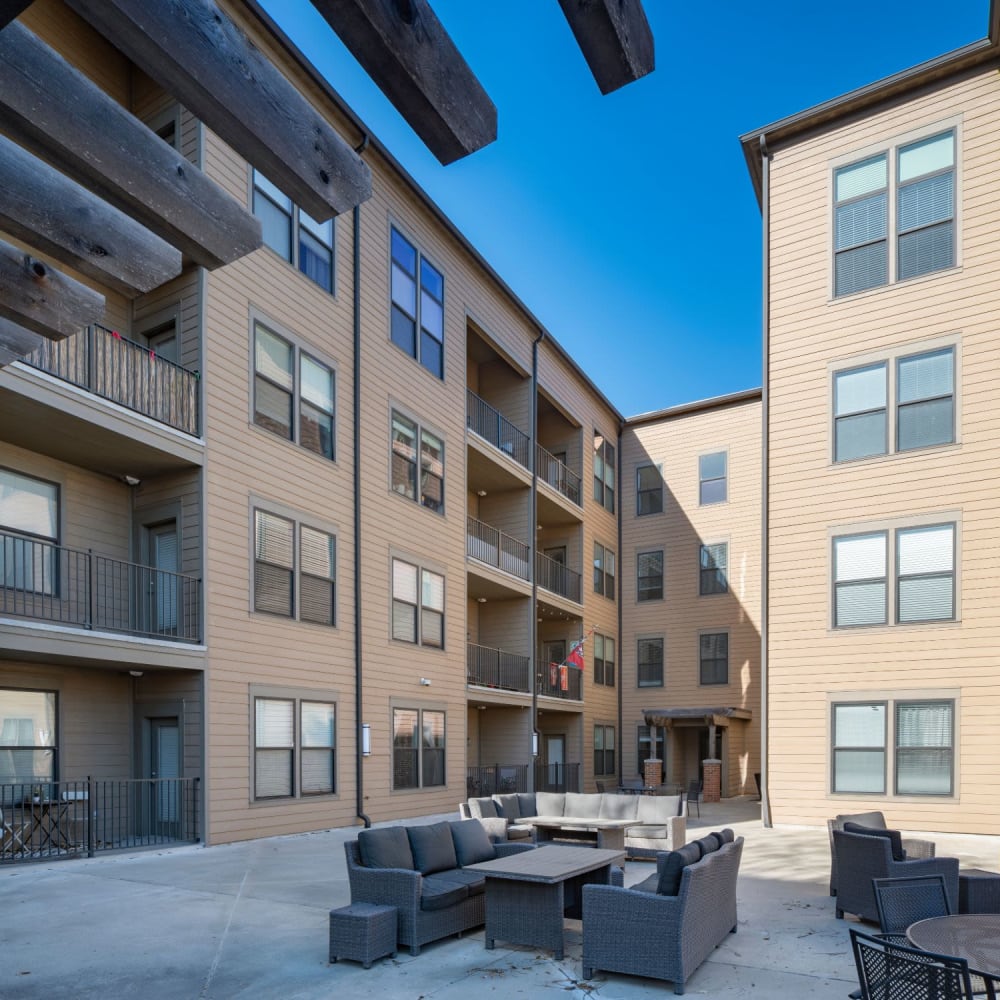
(904, 901)
(892, 972)
(694, 792)
(11, 841)
(914, 848)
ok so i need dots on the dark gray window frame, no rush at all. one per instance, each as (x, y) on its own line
(417, 277)
(604, 666)
(702, 661)
(605, 484)
(608, 766)
(419, 750)
(646, 665)
(713, 572)
(703, 481)
(654, 493)
(901, 751)
(836, 748)
(644, 590)
(420, 468)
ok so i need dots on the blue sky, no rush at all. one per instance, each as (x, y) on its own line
(627, 223)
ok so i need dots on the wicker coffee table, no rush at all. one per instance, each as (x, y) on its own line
(526, 893)
(609, 833)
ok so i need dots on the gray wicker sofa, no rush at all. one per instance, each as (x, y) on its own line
(668, 925)
(660, 820)
(420, 871)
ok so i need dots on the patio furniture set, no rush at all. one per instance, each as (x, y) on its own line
(411, 885)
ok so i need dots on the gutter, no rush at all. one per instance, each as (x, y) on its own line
(765, 156)
(620, 602)
(533, 535)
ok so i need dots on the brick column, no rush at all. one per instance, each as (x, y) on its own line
(652, 772)
(712, 772)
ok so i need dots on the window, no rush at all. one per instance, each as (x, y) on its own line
(604, 750)
(649, 490)
(714, 568)
(283, 584)
(293, 393)
(604, 571)
(712, 478)
(294, 747)
(604, 472)
(604, 660)
(650, 747)
(924, 561)
(417, 305)
(406, 476)
(713, 654)
(922, 392)
(294, 234)
(417, 605)
(650, 663)
(418, 748)
(922, 743)
(28, 748)
(649, 575)
(922, 176)
(29, 533)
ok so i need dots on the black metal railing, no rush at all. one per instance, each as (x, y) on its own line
(52, 583)
(560, 681)
(556, 577)
(492, 425)
(559, 476)
(109, 365)
(496, 779)
(557, 777)
(53, 819)
(496, 668)
(496, 548)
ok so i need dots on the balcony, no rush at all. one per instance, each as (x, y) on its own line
(561, 478)
(496, 548)
(51, 583)
(496, 668)
(556, 681)
(107, 365)
(499, 779)
(557, 578)
(495, 428)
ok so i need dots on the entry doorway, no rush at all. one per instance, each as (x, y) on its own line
(160, 806)
(554, 778)
(161, 601)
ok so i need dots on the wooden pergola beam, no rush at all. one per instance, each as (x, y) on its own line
(53, 214)
(16, 342)
(615, 39)
(37, 296)
(196, 52)
(55, 111)
(11, 10)
(405, 49)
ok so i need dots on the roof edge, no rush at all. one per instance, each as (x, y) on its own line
(700, 405)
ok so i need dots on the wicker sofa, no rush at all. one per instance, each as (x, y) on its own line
(668, 925)
(660, 820)
(419, 870)
(862, 857)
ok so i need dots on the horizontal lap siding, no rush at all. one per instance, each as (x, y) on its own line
(809, 662)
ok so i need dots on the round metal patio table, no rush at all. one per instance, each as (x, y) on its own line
(972, 936)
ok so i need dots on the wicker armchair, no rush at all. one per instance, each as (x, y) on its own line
(664, 937)
(861, 858)
(914, 848)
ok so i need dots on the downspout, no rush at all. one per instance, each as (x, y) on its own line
(765, 802)
(533, 535)
(359, 779)
(618, 658)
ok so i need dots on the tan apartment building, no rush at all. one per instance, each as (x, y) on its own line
(691, 591)
(881, 217)
(302, 541)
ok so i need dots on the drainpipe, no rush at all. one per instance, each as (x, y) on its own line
(765, 802)
(533, 535)
(358, 707)
(618, 658)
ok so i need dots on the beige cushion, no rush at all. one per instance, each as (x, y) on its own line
(647, 831)
(618, 806)
(657, 808)
(550, 803)
(582, 805)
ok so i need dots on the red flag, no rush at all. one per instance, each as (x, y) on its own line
(563, 677)
(575, 658)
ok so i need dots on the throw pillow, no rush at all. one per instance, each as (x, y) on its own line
(893, 836)
(483, 808)
(672, 866)
(508, 806)
(433, 848)
(385, 848)
(708, 844)
(472, 842)
(727, 835)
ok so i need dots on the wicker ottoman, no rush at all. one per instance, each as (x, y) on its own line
(362, 932)
(978, 891)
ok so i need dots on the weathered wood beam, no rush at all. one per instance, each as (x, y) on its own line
(11, 10)
(37, 296)
(51, 213)
(406, 51)
(614, 37)
(58, 113)
(16, 342)
(196, 52)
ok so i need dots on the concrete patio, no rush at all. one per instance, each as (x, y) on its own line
(250, 921)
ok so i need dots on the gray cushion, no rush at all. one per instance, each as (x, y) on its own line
(618, 806)
(708, 844)
(649, 884)
(549, 803)
(433, 848)
(727, 835)
(526, 804)
(385, 848)
(893, 836)
(657, 808)
(671, 866)
(583, 805)
(508, 806)
(520, 831)
(483, 808)
(475, 882)
(472, 842)
(439, 892)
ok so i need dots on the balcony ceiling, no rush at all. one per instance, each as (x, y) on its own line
(555, 509)
(555, 609)
(494, 585)
(488, 469)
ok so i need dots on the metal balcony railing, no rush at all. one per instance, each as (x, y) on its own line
(558, 475)
(496, 668)
(48, 819)
(130, 374)
(492, 425)
(557, 777)
(556, 577)
(496, 548)
(52, 583)
(558, 681)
